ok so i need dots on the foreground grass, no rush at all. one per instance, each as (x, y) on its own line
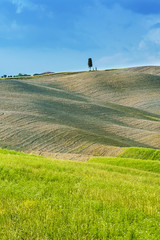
(105, 198)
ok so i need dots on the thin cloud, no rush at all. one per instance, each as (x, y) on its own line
(11, 30)
(155, 26)
(24, 4)
(154, 36)
(151, 38)
(144, 7)
(19, 5)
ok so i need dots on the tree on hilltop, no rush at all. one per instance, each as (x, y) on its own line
(90, 63)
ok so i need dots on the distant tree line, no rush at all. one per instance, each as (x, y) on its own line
(19, 75)
(25, 75)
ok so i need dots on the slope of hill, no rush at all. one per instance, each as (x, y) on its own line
(87, 113)
(142, 153)
(104, 198)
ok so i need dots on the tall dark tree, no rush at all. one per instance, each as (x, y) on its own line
(90, 63)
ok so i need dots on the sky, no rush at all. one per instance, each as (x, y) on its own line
(60, 35)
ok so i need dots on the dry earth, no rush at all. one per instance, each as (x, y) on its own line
(78, 115)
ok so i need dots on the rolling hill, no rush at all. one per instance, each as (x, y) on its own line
(81, 114)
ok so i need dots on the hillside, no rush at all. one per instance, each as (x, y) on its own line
(85, 113)
(104, 198)
(142, 153)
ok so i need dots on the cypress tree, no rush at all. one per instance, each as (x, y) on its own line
(90, 63)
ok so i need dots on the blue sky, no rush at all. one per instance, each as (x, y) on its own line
(60, 35)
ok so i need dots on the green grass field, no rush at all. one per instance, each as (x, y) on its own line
(142, 153)
(104, 198)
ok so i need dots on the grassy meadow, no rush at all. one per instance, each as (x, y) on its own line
(142, 153)
(104, 198)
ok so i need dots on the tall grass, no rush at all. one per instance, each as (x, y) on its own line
(42, 198)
